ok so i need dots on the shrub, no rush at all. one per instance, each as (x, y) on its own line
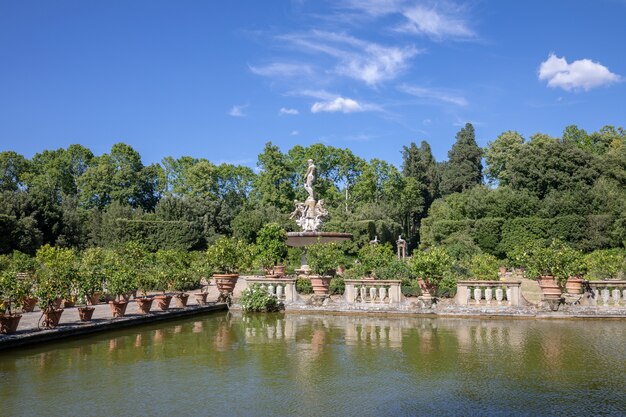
(257, 299)
(375, 257)
(605, 264)
(323, 258)
(482, 266)
(228, 255)
(410, 288)
(337, 286)
(303, 286)
(431, 265)
(272, 247)
(396, 269)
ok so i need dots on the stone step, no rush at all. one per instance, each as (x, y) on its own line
(531, 291)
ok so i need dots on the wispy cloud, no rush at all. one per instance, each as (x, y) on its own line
(288, 111)
(583, 74)
(237, 110)
(433, 94)
(340, 104)
(282, 69)
(438, 20)
(362, 60)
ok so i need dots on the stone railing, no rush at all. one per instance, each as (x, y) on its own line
(283, 288)
(372, 291)
(488, 292)
(605, 293)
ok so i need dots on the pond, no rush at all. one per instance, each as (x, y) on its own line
(313, 365)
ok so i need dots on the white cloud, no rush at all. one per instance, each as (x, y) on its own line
(282, 69)
(362, 60)
(288, 111)
(437, 24)
(294, 133)
(237, 111)
(433, 94)
(339, 104)
(583, 74)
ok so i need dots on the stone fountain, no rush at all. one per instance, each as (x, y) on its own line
(310, 216)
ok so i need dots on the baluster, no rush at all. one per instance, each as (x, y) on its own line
(279, 291)
(477, 294)
(271, 289)
(509, 295)
(624, 295)
(363, 292)
(499, 295)
(372, 294)
(469, 294)
(616, 293)
(488, 294)
(605, 296)
(382, 293)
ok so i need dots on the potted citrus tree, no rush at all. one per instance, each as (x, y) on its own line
(90, 281)
(323, 259)
(431, 267)
(121, 277)
(200, 272)
(227, 257)
(271, 249)
(55, 275)
(145, 280)
(25, 266)
(11, 296)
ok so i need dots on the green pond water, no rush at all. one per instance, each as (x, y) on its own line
(319, 365)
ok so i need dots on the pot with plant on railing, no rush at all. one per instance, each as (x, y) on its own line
(55, 276)
(226, 258)
(271, 250)
(323, 259)
(431, 266)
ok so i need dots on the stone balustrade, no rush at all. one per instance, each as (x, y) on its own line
(605, 293)
(283, 288)
(488, 292)
(372, 291)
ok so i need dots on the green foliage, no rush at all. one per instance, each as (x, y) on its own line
(410, 288)
(482, 266)
(431, 265)
(557, 259)
(605, 264)
(304, 286)
(91, 273)
(337, 286)
(374, 258)
(271, 245)
(255, 299)
(464, 167)
(228, 256)
(56, 274)
(323, 258)
(395, 269)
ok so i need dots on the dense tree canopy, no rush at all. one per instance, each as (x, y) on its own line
(572, 188)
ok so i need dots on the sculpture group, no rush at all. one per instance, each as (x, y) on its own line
(310, 214)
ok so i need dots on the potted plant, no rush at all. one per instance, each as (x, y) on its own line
(374, 258)
(55, 276)
(90, 281)
(272, 248)
(145, 280)
(165, 271)
(551, 266)
(11, 296)
(431, 267)
(323, 259)
(257, 299)
(200, 272)
(121, 278)
(25, 266)
(180, 273)
(227, 257)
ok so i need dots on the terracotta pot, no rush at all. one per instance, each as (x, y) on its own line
(181, 300)
(118, 308)
(51, 318)
(163, 301)
(320, 284)
(85, 313)
(144, 304)
(551, 290)
(574, 285)
(28, 304)
(9, 323)
(279, 271)
(226, 282)
(201, 297)
(95, 299)
(428, 290)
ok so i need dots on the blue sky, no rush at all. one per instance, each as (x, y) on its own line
(218, 79)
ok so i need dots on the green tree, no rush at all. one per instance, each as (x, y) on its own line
(464, 168)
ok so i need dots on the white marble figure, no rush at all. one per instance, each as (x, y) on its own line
(309, 214)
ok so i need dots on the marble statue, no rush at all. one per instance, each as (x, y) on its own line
(310, 214)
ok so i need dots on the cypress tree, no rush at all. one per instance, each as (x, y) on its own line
(464, 168)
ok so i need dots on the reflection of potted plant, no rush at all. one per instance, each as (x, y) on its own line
(272, 249)
(323, 259)
(55, 276)
(227, 257)
(431, 267)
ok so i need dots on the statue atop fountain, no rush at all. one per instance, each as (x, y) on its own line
(310, 214)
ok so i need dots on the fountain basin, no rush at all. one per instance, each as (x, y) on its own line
(303, 239)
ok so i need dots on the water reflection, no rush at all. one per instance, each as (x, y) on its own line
(334, 364)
